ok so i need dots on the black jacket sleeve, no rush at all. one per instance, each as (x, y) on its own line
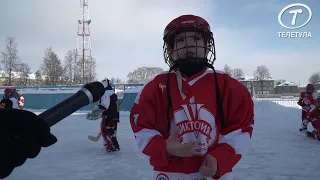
(112, 112)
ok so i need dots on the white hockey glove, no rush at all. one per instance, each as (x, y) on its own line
(105, 83)
(95, 114)
(175, 148)
(312, 106)
(305, 123)
(209, 166)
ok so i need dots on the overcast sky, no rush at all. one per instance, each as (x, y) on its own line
(127, 34)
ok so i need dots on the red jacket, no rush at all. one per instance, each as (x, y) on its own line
(150, 127)
(21, 102)
(314, 118)
(306, 101)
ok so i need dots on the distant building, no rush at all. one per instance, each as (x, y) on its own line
(302, 88)
(287, 87)
(264, 86)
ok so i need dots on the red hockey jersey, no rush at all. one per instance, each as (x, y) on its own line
(194, 115)
(21, 102)
(314, 118)
(306, 101)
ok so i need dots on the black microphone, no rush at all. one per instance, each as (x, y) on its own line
(88, 94)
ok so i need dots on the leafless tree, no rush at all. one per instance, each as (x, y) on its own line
(90, 70)
(84, 68)
(143, 74)
(237, 73)
(314, 78)
(24, 72)
(52, 68)
(38, 77)
(68, 68)
(262, 72)
(114, 80)
(227, 70)
(77, 73)
(10, 59)
(119, 84)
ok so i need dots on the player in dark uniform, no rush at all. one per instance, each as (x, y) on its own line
(6, 102)
(110, 120)
(108, 110)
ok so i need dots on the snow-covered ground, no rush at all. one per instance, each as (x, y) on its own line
(278, 151)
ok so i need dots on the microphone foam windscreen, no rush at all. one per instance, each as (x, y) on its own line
(97, 90)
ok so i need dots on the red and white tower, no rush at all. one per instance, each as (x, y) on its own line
(84, 56)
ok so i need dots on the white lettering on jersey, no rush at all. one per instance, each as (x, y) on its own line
(162, 86)
(306, 101)
(195, 123)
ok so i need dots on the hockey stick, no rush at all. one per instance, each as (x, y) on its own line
(94, 138)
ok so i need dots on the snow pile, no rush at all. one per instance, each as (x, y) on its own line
(31, 76)
(288, 83)
(49, 90)
(133, 90)
(282, 102)
(253, 78)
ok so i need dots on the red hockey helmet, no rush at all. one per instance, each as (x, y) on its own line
(8, 91)
(310, 88)
(186, 23)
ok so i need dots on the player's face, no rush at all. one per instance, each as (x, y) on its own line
(310, 90)
(189, 45)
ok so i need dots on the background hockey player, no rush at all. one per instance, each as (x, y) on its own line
(21, 101)
(108, 110)
(8, 102)
(314, 118)
(15, 94)
(306, 101)
(193, 122)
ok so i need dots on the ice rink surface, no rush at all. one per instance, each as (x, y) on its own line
(278, 151)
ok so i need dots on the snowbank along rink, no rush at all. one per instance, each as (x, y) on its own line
(278, 150)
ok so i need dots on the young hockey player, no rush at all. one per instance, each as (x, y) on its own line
(8, 102)
(306, 101)
(21, 101)
(192, 122)
(110, 119)
(314, 118)
(15, 94)
(108, 110)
